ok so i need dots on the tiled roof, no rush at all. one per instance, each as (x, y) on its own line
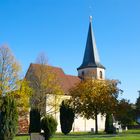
(66, 81)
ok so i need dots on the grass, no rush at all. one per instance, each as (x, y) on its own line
(22, 138)
(126, 135)
(100, 137)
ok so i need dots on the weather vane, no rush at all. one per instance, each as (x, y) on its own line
(90, 9)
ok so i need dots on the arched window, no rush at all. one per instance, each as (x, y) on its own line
(101, 75)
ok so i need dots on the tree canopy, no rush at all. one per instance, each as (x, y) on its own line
(9, 71)
(66, 116)
(125, 112)
(22, 95)
(138, 103)
(45, 87)
(8, 118)
(91, 97)
(10, 80)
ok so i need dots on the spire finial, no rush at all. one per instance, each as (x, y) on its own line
(91, 56)
(90, 18)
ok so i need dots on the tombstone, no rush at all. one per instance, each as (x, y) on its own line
(120, 129)
(126, 128)
(92, 130)
(36, 136)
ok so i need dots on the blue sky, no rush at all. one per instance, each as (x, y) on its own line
(59, 28)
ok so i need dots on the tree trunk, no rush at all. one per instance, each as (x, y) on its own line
(96, 123)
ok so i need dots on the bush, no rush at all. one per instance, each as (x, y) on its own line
(66, 117)
(8, 118)
(34, 121)
(109, 128)
(49, 125)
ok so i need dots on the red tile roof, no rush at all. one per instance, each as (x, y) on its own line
(66, 81)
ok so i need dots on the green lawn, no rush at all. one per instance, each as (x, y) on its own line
(104, 137)
(129, 135)
(22, 138)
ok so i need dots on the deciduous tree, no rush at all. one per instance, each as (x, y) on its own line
(91, 97)
(46, 89)
(9, 71)
(22, 96)
(10, 80)
(11, 84)
(137, 104)
(125, 113)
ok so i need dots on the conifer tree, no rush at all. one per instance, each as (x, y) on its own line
(8, 118)
(109, 128)
(66, 117)
(34, 121)
(49, 126)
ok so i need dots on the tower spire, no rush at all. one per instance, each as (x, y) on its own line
(91, 56)
(91, 62)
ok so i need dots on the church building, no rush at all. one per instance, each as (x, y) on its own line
(90, 68)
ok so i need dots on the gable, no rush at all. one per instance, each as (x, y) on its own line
(65, 81)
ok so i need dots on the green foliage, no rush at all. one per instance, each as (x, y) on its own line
(91, 97)
(109, 128)
(66, 117)
(44, 82)
(34, 121)
(138, 107)
(9, 71)
(49, 125)
(8, 118)
(138, 103)
(22, 96)
(125, 113)
(10, 81)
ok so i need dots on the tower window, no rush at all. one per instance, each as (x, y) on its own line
(83, 73)
(101, 75)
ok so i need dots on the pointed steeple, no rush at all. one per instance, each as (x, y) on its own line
(91, 57)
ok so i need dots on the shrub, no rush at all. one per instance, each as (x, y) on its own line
(34, 121)
(49, 125)
(8, 118)
(66, 117)
(109, 128)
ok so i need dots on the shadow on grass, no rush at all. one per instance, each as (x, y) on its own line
(85, 135)
(100, 135)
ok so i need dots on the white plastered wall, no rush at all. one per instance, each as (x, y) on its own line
(92, 72)
(80, 123)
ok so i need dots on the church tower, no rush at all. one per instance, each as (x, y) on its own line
(91, 66)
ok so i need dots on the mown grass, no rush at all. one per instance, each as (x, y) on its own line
(126, 135)
(22, 138)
